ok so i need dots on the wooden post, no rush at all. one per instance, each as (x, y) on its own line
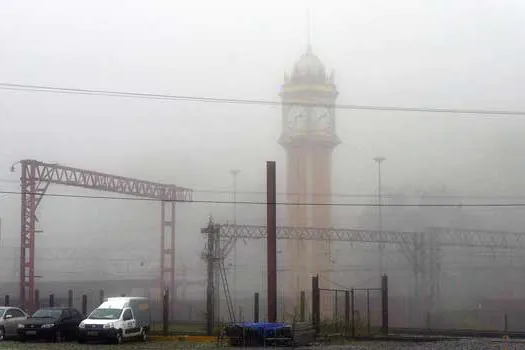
(84, 305)
(165, 311)
(69, 298)
(303, 306)
(210, 287)
(384, 304)
(37, 299)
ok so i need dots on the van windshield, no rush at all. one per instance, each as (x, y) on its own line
(105, 314)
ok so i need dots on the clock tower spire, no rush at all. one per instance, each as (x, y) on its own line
(308, 37)
(309, 137)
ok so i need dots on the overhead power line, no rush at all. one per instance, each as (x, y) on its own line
(142, 95)
(455, 205)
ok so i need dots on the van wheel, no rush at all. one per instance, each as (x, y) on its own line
(144, 335)
(2, 333)
(118, 339)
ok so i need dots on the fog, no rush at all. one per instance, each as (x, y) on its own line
(432, 54)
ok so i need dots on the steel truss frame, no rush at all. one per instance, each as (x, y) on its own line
(36, 176)
(422, 249)
(447, 236)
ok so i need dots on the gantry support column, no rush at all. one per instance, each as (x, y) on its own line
(433, 273)
(27, 238)
(426, 266)
(32, 191)
(167, 251)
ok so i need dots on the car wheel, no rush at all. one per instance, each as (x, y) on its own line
(144, 335)
(2, 333)
(58, 337)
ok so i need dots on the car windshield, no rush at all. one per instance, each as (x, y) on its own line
(105, 314)
(47, 313)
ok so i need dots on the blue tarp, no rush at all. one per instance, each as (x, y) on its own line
(265, 329)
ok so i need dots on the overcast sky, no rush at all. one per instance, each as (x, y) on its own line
(434, 53)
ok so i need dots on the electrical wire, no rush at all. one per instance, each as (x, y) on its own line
(114, 93)
(201, 201)
(346, 195)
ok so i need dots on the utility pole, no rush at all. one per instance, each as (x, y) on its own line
(271, 241)
(234, 173)
(379, 160)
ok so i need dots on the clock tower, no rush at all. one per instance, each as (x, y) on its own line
(309, 138)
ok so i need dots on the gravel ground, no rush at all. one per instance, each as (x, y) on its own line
(477, 344)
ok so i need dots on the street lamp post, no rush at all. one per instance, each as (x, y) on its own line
(234, 173)
(379, 160)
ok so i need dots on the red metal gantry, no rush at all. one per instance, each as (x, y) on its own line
(36, 177)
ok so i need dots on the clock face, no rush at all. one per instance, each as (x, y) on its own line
(297, 118)
(321, 118)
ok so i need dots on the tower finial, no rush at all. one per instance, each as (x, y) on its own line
(308, 37)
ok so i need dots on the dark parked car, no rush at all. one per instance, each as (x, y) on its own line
(51, 323)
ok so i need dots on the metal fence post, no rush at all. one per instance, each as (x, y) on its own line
(384, 304)
(84, 304)
(51, 300)
(101, 296)
(336, 313)
(347, 311)
(368, 310)
(506, 322)
(6, 300)
(352, 304)
(256, 307)
(302, 311)
(316, 294)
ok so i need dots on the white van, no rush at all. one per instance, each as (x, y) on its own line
(117, 319)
